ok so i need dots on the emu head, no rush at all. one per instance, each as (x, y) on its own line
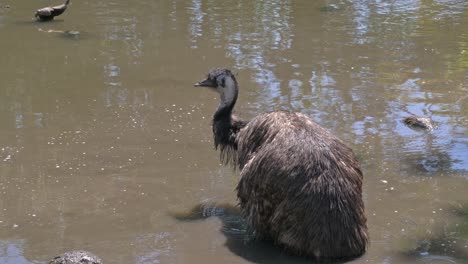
(222, 81)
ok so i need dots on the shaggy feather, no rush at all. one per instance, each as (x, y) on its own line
(300, 185)
(76, 257)
(301, 180)
(224, 133)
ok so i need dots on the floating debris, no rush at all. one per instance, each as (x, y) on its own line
(419, 123)
(48, 13)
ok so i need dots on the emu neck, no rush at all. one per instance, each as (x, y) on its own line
(228, 96)
(223, 113)
(225, 126)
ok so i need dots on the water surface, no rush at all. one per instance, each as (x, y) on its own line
(103, 136)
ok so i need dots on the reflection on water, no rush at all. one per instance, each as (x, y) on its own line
(101, 136)
(196, 21)
(12, 253)
(446, 244)
(239, 239)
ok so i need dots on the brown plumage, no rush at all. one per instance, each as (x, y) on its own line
(419, 123)
(48, 13)
(76, 257)
(300, 185)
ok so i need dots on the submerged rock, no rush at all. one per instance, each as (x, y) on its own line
(419, 123)
(69, 34)
(76, 257)
(329, 8)
(74, 34)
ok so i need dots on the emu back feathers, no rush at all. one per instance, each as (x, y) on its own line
(300, 186)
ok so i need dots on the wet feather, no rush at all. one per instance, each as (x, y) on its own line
(300, 185)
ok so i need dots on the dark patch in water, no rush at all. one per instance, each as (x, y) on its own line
(239, 239)
(435, 162)
(447, 243)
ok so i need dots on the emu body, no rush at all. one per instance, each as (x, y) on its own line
(48, 13)
(300, 185)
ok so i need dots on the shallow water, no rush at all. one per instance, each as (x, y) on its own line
(104, 139)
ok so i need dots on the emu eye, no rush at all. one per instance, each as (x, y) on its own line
(221, 81)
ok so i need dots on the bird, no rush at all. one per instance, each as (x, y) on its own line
(300, 186)
(48, 13)
(76, 257)
(419, 123)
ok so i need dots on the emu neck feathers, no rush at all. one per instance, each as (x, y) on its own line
(228, 96)
(225, 125)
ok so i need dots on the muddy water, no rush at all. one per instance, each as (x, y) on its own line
(103, 139)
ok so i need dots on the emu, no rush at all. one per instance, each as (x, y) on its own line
(76, 257)
(48, 13)
(300, 185)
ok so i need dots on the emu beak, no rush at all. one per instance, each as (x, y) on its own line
(205, 83)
